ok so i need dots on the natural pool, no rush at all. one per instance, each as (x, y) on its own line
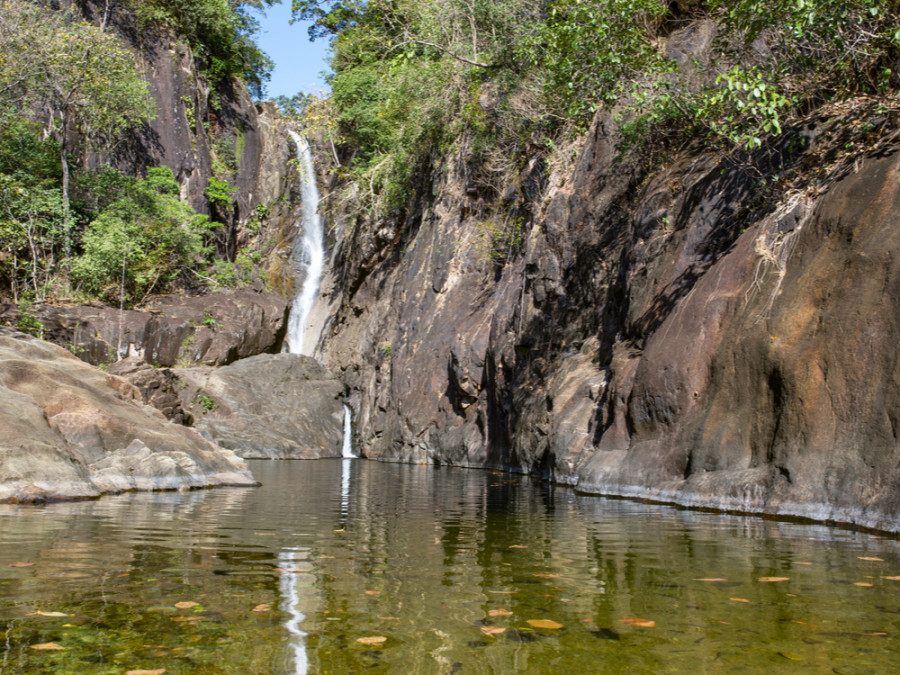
(289, 577)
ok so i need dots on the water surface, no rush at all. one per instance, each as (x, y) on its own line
(289, 577)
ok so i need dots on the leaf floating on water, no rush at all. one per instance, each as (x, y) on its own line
(544, 623)
(186, 604)
(503, 592)
(373, 640)
(186, 618)
(159, 671)
(283, 569)
(518, 546)
(870, 558)
(864, 584)
(500, 612)
(790, 656)
(739, 599)
(21, 564)
(891, 578)
(48, 647)
(262, 609)
(711, 579)
(492, 630)
(373, 592)
(875, 634)
(640, 623)
(797, 562)
(547, 575)
(55, 614)
(772, 579)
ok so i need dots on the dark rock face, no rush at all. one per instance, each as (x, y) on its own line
(665, 335)
(213, 329)
(280, 406)
(69, 430)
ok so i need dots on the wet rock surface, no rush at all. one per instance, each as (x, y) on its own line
(69, 430)
(279, 406)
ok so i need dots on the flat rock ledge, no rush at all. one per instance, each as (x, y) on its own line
(69, 430)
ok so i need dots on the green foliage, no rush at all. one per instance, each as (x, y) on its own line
(27, 322)
(208, 403)
(219, 191)
(140, 242)
(220, 33)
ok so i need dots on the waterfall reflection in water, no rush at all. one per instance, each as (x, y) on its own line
(295, 572)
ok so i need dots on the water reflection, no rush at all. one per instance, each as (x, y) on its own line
(428, 558)
(295, 569)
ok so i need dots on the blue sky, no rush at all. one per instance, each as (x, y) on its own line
(298, 61)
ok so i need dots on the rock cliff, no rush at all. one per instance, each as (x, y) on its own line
(718, 333)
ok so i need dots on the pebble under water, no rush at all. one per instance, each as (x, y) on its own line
(351, 566)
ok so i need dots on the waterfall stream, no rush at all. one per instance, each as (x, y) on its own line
(347, 450)
(309, 250)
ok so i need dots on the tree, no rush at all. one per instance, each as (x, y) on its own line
(75, 78)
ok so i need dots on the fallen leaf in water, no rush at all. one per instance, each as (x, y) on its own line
(518, 546)
(875, 634)
(262, 609)
(797, 562)
(186, 618)
(791, 656)
(373, 592)
(891, 578)
(21, 564)
(40, 613)
(492, 630)
(773, 578)
(123, 575)
(864, 584)
(739, 599)
(640, 623)
(711, 579)
(802, 623)
(503, 592)
(48, 647)
(500, 612)
(326, 557)
(547, 575)
(869, 558)
(544, 623)
(588, 620)
(283, 569)
(373, 640)
(186, 604)
(159, 671)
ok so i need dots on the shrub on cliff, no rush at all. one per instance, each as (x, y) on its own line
(140, 242)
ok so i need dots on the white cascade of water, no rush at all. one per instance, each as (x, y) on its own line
(347, 450)
(289, 562)
(309, 249)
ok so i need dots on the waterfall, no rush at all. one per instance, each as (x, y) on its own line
(309, 250)
(347, 451)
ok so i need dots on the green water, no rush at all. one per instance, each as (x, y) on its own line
(329, 552)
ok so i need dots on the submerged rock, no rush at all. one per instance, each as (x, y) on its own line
(279, 406)
(70, 430)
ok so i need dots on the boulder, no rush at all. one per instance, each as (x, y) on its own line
(279, 406)
(212, 329)
(69, 430)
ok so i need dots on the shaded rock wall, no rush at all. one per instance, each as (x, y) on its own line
(69, 430)
(679, 335)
